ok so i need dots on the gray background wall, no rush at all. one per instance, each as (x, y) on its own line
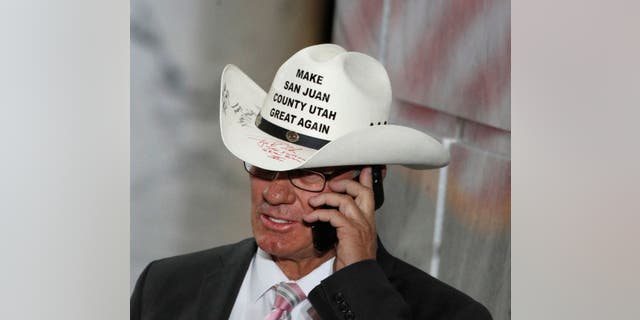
(449, 65)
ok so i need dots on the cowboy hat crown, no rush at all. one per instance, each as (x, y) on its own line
(325, 107)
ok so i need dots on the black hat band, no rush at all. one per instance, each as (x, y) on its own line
(289, 135)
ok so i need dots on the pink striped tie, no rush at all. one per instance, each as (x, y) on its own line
(287, 296)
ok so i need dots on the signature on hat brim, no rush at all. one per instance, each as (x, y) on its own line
(240, 102)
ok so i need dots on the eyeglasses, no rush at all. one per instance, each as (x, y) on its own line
(305, 179)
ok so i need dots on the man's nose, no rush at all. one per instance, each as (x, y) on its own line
(279, 191)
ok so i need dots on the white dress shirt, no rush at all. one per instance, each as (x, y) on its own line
(256, 295)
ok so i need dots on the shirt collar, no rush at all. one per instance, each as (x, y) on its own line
(313, 279)
(265, 273)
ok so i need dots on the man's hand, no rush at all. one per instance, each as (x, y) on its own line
(354, 218)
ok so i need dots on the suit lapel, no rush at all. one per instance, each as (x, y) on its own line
(220, 287)
(384, 259)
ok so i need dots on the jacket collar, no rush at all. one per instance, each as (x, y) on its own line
(385, 259)
(222, 283)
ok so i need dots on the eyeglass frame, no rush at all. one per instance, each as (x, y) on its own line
(325, 176)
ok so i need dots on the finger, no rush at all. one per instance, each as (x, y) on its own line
(352, 188)
(344, 203)
(363, 195)
(338, 200)
(332, 216)
(366, 179)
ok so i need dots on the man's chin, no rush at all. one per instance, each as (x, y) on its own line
(282, 249)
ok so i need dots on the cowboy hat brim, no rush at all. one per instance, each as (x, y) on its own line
(240, 102)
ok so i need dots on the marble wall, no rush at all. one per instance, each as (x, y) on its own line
(449, 65)
(187, 191)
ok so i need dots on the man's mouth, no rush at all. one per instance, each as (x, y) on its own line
(278, 220)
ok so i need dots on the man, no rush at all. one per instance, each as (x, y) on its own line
(312, 146)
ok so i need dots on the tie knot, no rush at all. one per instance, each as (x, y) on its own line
(288, 294)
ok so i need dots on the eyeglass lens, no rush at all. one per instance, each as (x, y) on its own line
(304, 179)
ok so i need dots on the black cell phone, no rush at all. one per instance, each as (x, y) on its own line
(378, 191)
(324, 234)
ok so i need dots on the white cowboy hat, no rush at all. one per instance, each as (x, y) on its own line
(326, 107)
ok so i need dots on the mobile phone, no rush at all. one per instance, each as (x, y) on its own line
(324, 234)
(378, 191)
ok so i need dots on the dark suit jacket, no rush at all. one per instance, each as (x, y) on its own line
(204, 285)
